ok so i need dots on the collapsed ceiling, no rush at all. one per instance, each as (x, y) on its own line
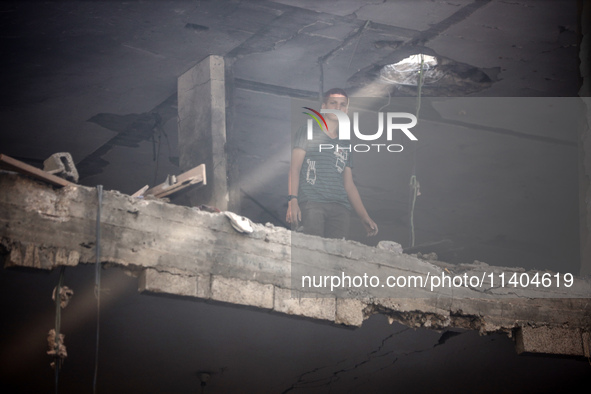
(99, 80)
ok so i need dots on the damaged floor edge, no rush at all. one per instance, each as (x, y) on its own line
(198, 254)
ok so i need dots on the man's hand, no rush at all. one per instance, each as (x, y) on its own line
(370, 226)
(294, 215)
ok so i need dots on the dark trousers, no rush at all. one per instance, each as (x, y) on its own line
(328, 220)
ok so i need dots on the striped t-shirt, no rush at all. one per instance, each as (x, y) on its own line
(321, 176)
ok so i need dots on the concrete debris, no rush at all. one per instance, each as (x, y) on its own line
(240, 223)
(390, 245)
(65, 295)
(62, 165)
(56, 349)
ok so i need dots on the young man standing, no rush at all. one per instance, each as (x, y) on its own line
(321, 187)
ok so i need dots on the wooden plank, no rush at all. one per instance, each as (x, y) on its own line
(194, 176)
(24, 168)
(140, 192)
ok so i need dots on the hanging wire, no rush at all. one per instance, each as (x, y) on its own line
(97, 278)
(159, 129)
(58, 323)
(420, 86)
(157, 156)
(414, 183)
(357, 43)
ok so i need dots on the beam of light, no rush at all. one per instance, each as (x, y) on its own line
(30, 344)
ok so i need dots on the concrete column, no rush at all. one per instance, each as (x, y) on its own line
(232, 145)
(202, 129)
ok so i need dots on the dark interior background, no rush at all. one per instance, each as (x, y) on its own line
(496, 159)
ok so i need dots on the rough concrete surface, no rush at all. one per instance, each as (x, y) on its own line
(185, 252)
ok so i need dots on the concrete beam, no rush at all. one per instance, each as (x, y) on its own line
(202, 129)
(557, 340)
(186, 252)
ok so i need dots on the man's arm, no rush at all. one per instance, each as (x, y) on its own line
(294, 215)
(355, 200)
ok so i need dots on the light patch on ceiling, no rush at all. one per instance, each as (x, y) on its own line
(408, 70)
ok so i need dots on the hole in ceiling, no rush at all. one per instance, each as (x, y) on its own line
(398, 75)
(408, 70)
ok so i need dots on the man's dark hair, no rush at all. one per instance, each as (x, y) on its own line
(332, 91)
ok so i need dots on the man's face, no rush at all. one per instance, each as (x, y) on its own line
(336, 101)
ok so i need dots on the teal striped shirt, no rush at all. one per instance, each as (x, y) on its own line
(321, 176)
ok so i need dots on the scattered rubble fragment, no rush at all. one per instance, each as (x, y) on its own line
(65, 295)
(56, 349)
(391, 246)
(62, 165)
(240, 223)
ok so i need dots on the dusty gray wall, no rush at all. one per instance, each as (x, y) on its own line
(585, 139)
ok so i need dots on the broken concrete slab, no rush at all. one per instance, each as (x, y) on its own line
(186, 252)
(62, 165)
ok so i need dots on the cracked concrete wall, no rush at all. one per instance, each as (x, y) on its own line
(186, 252)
